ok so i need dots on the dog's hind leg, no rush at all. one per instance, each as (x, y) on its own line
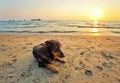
(51, 67)
(40, 63)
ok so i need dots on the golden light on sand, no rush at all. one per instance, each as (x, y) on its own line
(95, 30)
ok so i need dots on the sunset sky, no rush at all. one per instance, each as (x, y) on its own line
(60, 9)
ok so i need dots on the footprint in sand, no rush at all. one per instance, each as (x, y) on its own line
(23, 74)
(88, 72)
(8, 65)
(106, 65)
(9, 55)
(107, 56)
(24, 47)
(1, 76)
(82, 53)
(99, 68)
(29, 43)
(67, 76)
(14, 60)
(81, 67)
(10, 76)
(108, 39)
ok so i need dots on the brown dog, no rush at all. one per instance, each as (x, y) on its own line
(46, 52)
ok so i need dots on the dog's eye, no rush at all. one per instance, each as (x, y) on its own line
(56, 50)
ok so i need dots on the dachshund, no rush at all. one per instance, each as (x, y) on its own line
(45, 53)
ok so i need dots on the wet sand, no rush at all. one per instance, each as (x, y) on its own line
(89, 59)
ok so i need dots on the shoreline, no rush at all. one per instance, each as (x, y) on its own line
(62, 33)
(89, 59)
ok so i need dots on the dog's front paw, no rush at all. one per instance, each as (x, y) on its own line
(60, 60)
(51, 67)
(63, 61)
(56, 71)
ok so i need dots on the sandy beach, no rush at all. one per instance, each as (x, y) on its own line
(89, 59)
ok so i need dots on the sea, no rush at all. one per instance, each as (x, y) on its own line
(82, 27)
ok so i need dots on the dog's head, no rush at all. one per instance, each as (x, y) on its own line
(54, 47)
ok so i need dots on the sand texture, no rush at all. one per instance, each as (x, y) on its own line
(89, 59)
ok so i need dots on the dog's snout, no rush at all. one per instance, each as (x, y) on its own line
(61, 54)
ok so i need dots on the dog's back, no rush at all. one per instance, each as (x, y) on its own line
(41, 54)
(37, 49)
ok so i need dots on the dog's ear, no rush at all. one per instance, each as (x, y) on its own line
(48, 43)
(58, 43)
(52, 43)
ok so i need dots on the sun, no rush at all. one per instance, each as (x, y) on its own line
(97, 14)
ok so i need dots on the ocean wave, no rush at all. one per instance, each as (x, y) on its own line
(58, 27)
(38, 31)
(118, 32)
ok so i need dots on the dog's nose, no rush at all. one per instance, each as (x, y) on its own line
(62, 55)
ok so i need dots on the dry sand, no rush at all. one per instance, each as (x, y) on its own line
(90, 59)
